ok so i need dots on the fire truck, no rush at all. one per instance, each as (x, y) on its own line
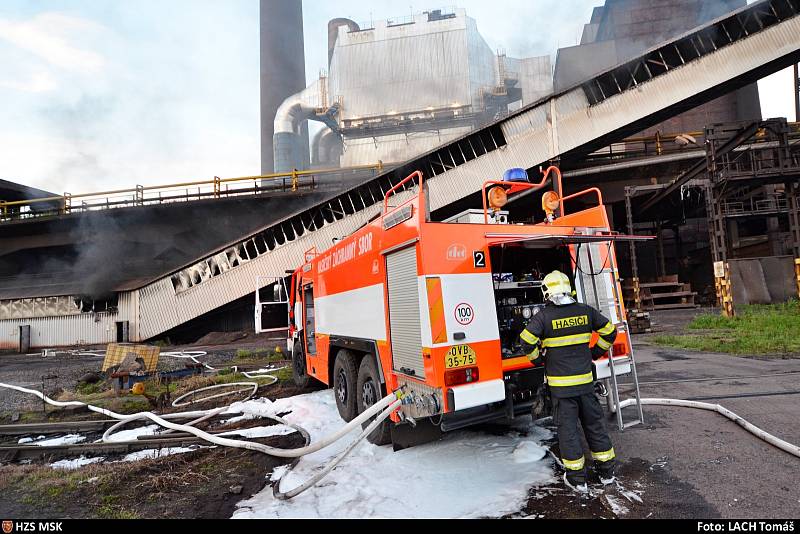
(435, 308)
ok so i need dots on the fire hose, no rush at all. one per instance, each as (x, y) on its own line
(792, 449)
(385, 406)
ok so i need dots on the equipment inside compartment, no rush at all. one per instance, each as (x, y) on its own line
(518, 273)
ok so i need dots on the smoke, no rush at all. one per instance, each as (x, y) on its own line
(102, 254)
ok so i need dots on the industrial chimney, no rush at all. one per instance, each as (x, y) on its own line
(282, 69)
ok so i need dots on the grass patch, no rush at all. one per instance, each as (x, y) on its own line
(86, 390)
(259, 355)
(756, 329)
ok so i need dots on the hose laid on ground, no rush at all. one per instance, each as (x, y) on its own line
(792, 449)
(116, 426)
(178, 404)
(217, 440)
(189, 355)
(388, 404)
(276, 492)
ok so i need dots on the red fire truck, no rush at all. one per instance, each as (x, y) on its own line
(436, 307)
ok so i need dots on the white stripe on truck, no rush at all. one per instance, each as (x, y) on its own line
(357, 313)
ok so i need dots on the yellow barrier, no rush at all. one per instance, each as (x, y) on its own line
(66, 199)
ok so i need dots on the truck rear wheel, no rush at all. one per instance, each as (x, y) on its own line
(370, 392)
(299, 371)
(345, 376)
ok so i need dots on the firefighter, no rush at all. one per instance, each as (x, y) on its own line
(562, 331)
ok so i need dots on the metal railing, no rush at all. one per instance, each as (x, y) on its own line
(756, 206)
(177, 192)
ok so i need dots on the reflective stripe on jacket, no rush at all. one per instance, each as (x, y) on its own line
(566, 331)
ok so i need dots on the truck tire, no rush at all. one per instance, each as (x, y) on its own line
(345, 376)
(299, 370)
(370, 392)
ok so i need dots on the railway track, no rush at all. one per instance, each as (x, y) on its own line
(71, 427)
(18, 452)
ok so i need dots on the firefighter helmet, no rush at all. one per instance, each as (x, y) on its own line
(555, 284)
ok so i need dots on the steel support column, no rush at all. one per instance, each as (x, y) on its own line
(637, 297)
(794, 227)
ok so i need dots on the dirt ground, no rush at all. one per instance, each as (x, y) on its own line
(206, 483)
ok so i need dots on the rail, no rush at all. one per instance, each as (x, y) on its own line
(177, 192)
(401, 184)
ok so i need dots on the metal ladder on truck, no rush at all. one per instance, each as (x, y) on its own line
(607, 279)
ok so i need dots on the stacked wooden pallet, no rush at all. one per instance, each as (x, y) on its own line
(666, 293)
(639, 322)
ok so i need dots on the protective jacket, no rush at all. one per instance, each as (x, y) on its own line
(565, 333)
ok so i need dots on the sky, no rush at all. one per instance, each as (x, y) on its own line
(108, 94)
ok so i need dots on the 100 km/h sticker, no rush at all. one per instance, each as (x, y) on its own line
(464, 314)
(460, 356)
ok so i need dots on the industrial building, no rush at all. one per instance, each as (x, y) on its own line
(399, 87)
(81, 274)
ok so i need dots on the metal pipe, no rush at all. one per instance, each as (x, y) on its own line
(797, 92)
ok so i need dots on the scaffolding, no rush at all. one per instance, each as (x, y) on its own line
(751, 170)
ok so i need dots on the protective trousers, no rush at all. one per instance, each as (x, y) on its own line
(568, 413)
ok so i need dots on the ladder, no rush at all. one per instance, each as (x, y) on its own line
(613, 397)
(598, 286)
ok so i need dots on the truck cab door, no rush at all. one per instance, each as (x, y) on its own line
(309, 321)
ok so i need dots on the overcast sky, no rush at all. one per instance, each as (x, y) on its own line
(100, 94)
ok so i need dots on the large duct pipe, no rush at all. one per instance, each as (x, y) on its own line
(333, 33)
(290, 141)
(283, 70)
(326, 148)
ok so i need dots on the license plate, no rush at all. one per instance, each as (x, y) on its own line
(460, 356)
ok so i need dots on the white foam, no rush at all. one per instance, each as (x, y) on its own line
(69, 439)
(76, 463)
(466, 474)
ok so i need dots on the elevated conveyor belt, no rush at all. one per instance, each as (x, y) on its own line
(714, 59)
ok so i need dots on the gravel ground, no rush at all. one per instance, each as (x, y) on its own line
(28, 370)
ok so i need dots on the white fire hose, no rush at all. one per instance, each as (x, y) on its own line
(385, 406)
(794, 450)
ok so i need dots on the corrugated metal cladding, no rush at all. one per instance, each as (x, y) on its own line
(535, 76)
(161, 309)
(404, 313)
(72, 330)
(411, 67)
(84, 329)
(39, 307)
(396, 148)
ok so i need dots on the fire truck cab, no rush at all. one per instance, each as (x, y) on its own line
(436, 308)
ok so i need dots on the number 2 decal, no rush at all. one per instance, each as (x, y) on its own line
(479, 258)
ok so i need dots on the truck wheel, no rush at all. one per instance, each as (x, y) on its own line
(345, 376)
(370, 392)
(299, 371)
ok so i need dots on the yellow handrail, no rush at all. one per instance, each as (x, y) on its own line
(216, 182)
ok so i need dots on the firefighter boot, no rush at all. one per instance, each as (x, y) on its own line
(576, 481)
(605, 470)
